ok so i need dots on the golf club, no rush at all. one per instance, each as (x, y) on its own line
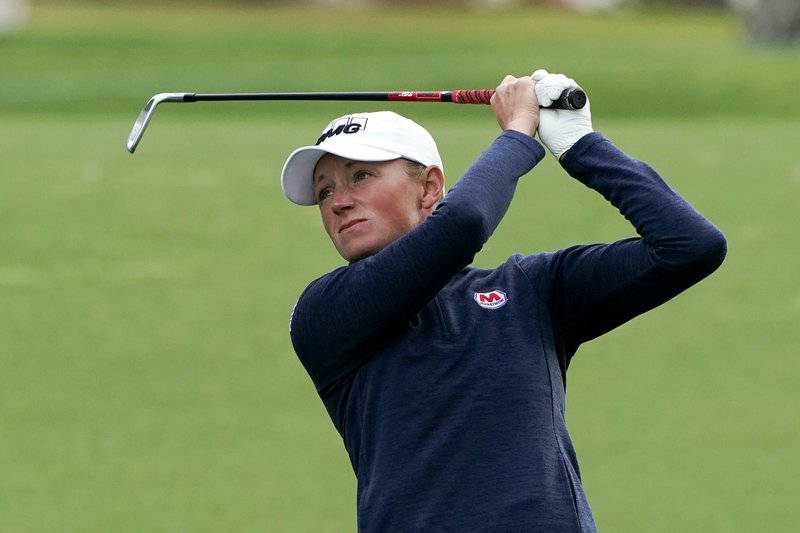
(572, 98)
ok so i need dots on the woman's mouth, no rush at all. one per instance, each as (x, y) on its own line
(351, 224)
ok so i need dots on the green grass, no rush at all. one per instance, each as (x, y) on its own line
(147, 382)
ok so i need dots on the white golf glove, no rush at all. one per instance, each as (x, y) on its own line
(559, 129)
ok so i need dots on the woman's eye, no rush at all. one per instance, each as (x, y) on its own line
(361, 175)
(324, 194)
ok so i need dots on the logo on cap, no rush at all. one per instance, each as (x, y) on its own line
(491, 300)
(343, 125)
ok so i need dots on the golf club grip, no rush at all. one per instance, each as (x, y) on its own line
(571, 98)
(472, 96)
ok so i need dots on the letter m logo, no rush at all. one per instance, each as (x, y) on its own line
(491, 300)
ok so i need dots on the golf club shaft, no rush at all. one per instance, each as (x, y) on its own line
(573, 98)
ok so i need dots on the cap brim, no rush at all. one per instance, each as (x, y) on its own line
(297, 177)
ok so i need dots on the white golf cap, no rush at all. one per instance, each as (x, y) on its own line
(376, 136)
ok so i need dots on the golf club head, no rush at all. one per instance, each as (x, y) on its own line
(147, 113)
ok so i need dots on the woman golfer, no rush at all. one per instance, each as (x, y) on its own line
(445, 381)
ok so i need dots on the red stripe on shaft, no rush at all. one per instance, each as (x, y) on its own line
(415, 96)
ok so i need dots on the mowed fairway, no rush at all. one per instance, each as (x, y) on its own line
(147, 381)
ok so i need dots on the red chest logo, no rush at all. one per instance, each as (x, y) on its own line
(491, 300)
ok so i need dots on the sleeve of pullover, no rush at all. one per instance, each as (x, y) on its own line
(341, 318)
(596, 288)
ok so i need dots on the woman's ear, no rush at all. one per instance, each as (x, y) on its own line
(432, 181)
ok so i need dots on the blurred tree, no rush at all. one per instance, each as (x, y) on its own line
(770, 20)
(588, 5)
(13, 13)
(675, 3)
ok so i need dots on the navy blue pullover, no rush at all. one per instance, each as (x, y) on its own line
(452, 412)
